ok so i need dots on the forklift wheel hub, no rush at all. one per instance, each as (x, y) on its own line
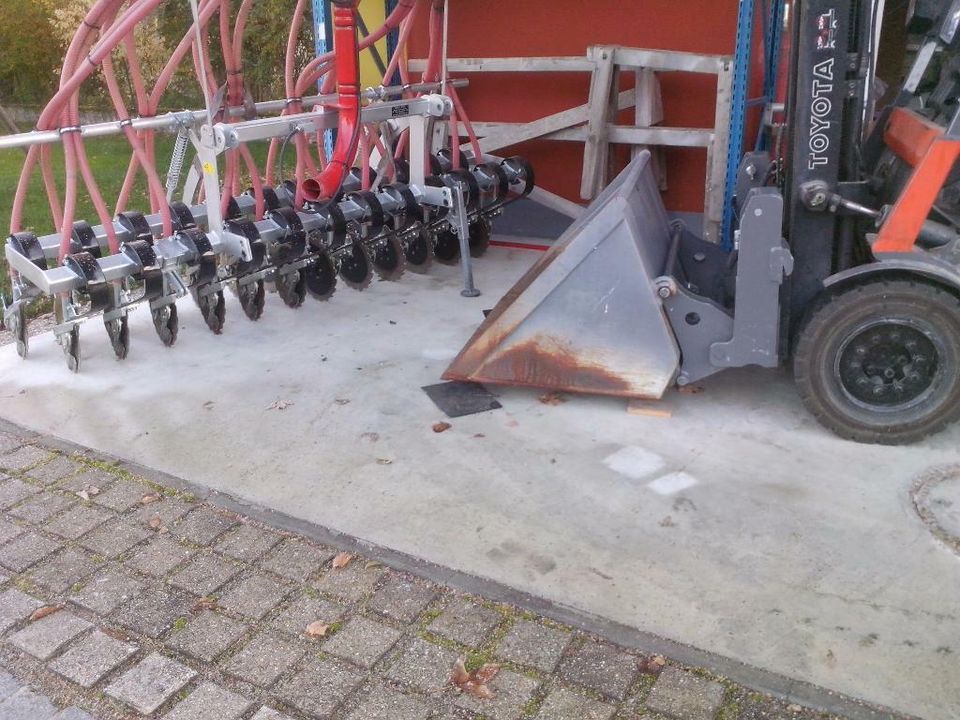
(887, 364)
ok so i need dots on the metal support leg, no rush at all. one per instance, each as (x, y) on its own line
(461, 227)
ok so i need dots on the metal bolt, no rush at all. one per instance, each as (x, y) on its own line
(663, 292)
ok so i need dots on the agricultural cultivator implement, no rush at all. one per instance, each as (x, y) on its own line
(395, 193)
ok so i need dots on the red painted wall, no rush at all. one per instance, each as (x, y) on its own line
(502, 28)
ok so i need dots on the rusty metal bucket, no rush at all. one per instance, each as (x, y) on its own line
(586, 317)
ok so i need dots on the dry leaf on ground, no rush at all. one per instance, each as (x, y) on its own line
(653, 665)
(475, 683)
(690, 389)
(88, 492)
(317, 629)
(150, 498)
(441, 427)
(44, 611)
(280, 405)
(553, 398)
(342, 560)
(156, 523)
(204, 603)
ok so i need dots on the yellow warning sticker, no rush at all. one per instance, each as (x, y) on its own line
(208, 168)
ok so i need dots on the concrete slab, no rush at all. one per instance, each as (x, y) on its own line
(737, 525)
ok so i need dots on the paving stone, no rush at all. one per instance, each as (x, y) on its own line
(24, 457)
(685, 696)
(248, 543)
(352, 583)
(265, 658)
(73, 713)
(533, 644)
(15, 606)
(561, 704)
(58, 572)
(203, 525)
(384, 703)
(303, 610)
(44, 637)
(9, 442)
(57, 469)
(296, 560)
(205, 574)
(8, 531)
(362, 641)
(39, 509)
(601, 667)
(425, 666)
(77, 521)
(168, 509)
(13, 491)
(254, 596)
(512, 692)
(266, 713)
(147, 685)
(466, 622)
(26, 550)
(115, 537)
(153, 612)
(207, 636)
(122, 495)
(754, 706)
(91, 658)
(402, 598)
(8, 683)
(90, 477)
(25, 704)
(210, 702)
(107, 590)
(319, 687)
(160, 556)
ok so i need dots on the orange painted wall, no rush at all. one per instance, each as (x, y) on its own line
(502, 28)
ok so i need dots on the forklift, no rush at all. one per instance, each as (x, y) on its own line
(844, 260)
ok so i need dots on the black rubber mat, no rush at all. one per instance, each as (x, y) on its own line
(457, 399)
(528, 218)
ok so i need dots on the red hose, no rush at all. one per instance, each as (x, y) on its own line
(330, 180)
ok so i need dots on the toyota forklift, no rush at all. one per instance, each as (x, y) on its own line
(844, 260)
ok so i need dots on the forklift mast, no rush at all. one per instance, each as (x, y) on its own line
(829, 96)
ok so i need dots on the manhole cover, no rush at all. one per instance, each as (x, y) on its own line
(936, 496)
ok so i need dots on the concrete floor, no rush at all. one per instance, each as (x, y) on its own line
(737, 525)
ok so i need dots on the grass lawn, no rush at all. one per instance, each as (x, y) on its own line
(109, 157)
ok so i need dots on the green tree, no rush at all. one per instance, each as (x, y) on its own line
(30, 52)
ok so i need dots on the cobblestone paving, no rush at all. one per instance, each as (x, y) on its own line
(169, 608)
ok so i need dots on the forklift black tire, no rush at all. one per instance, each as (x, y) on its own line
(880, 362)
